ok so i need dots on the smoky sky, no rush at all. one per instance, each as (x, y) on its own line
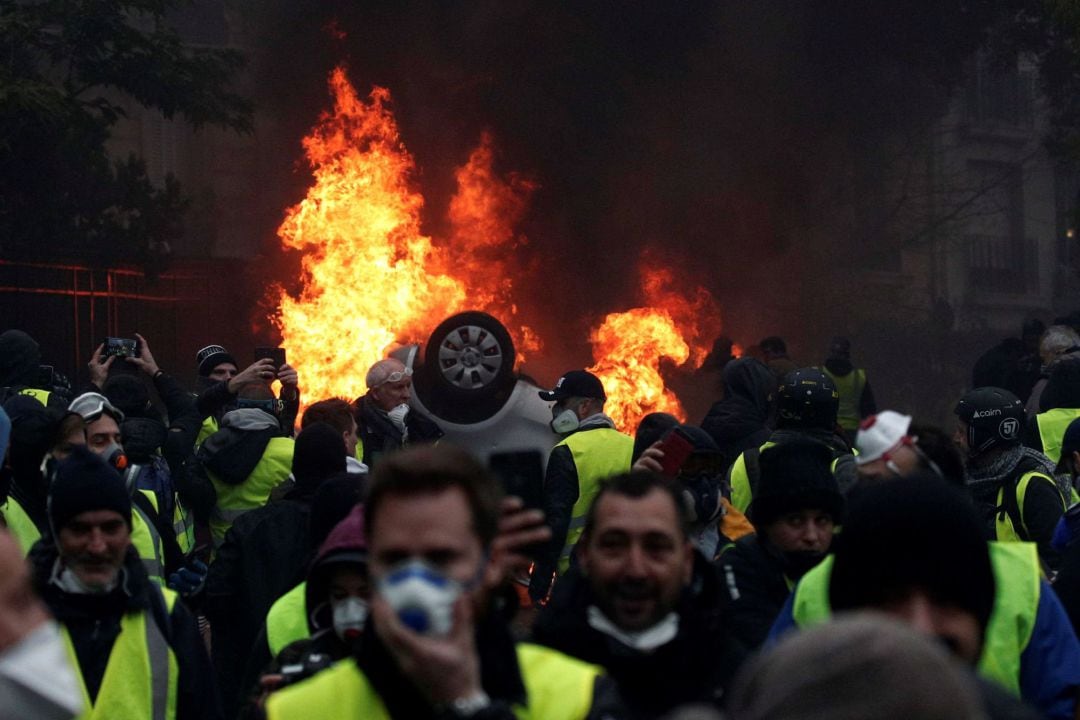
(709, 131)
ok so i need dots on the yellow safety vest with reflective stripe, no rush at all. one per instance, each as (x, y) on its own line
(19, 524)
(140, 681)
(287, 620)
(1017, 576)
(42, 396)
(235, 500)
(208, 428)
(598, 454)
(742, 494)
(1052, 425)
(147, 541)
(1004, 530)
(557, 687)
(850, 388)
(183, 526)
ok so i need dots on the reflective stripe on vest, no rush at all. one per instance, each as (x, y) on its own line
(287, 620)
(1052, 425)
(147, 541)
(42, 396)
(19, 524)
(742, 490)
(1003, 525)
(1017, 577)
(742, 494)
(140, 679)
(598, 454)
(850, 388)
(557, 687)
(183, 526)
(235, 500)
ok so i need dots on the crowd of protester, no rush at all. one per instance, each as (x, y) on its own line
(229, 551)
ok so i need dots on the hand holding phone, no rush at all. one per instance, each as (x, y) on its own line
(676, 447)
(277, 354)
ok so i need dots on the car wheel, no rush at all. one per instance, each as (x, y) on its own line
(469, 363)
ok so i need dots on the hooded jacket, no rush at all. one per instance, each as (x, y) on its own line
(20, 357)
(740, 421)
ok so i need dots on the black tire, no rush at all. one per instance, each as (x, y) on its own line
(468, 367)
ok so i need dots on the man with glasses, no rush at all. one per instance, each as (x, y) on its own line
(384, 420)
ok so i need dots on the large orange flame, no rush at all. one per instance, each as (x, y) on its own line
(628, 347)
(371, 279)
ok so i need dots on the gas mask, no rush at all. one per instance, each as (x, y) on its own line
(397, 417)
(565, 421)
(421, 595)
(350, 616)
(114, 456)
(36, 678)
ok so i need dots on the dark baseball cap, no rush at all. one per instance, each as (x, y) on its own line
(576, 383)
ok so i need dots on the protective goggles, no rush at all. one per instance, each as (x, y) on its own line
(91, 406)
(912, 443)
(397, 376)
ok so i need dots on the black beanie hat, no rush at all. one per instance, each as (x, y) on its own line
(19, 359)
(913, 533)
(795, 475)
(210, 357)
(84, 482)
(318, 454)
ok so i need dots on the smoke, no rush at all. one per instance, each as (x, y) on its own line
(725, 137)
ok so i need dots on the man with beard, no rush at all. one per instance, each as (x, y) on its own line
(642, 602)
(136, 648)
(797, 507)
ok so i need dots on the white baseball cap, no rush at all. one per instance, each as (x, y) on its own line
(879, 434)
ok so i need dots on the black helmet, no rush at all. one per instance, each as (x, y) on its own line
(994, 416)
(807, 399)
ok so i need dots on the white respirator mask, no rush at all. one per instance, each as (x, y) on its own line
(398, 415)
(422, 596)
(350, 616)
(565, 422)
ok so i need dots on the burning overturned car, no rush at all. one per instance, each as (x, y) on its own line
(464, 380)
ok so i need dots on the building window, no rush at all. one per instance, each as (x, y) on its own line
(1000, 258)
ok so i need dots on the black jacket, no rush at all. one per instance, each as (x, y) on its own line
(756, 589)
(741, 420)
(93, 622)
(264, 555)
(379, 436)
(695, 666)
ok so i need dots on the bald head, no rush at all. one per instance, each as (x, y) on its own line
(389, 384)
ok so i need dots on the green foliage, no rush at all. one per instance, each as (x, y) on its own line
(64, 64)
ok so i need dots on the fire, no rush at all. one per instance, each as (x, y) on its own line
(628, 347)
(483, 214)
(370, 278)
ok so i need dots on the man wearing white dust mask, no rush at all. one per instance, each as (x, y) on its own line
(384, 419)
(434, 645)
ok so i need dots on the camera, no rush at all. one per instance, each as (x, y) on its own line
(305, 667)
(120, 347)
